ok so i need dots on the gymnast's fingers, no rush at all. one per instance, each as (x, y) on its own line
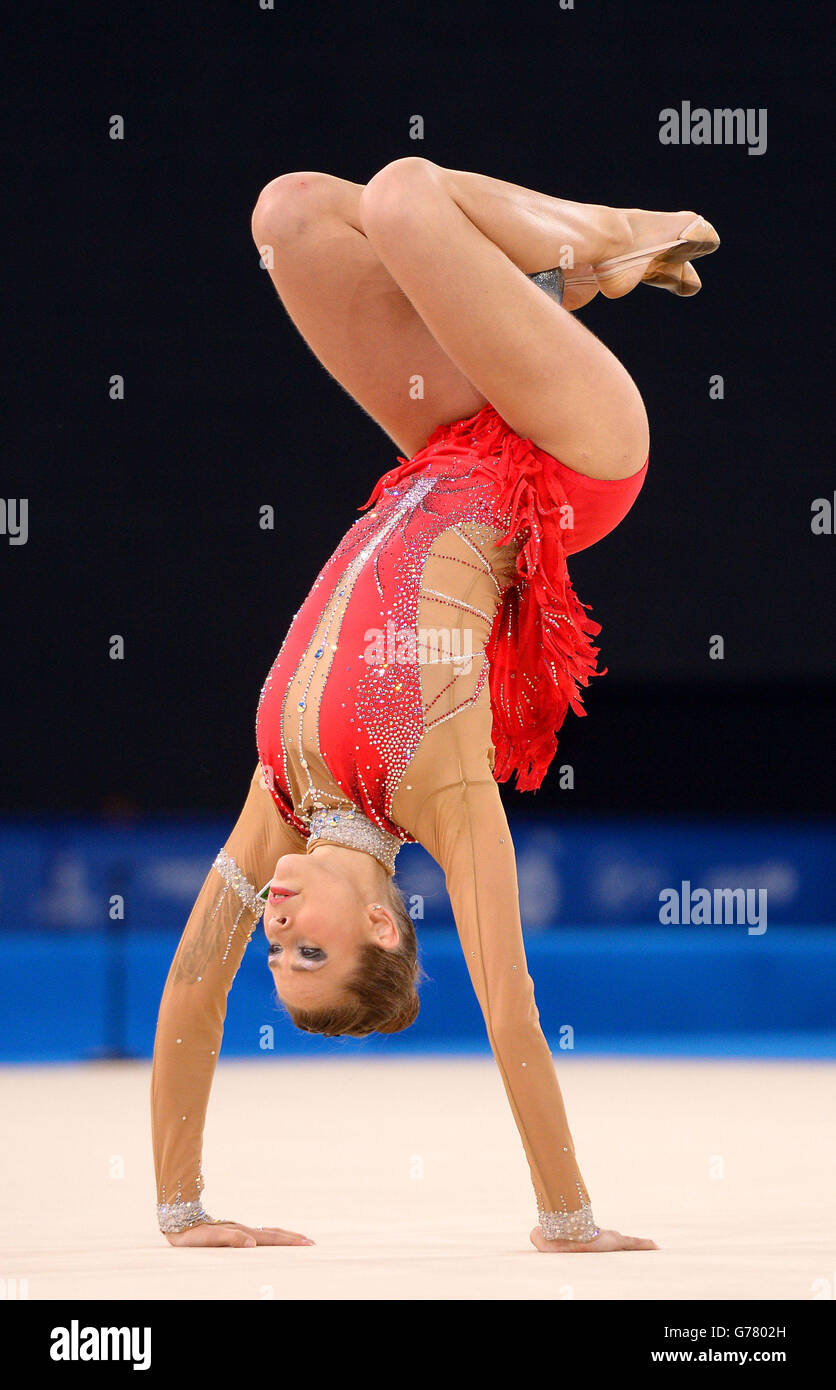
(274, 1235)
(614, 1240)
(638, 1243)
(233, 1234)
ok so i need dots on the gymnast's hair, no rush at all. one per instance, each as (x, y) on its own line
(382, 994)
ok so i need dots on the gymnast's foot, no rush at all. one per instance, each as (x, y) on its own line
(603, 1242)
(658, 250)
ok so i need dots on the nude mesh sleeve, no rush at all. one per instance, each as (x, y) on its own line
(449, 801)
(193, 1007)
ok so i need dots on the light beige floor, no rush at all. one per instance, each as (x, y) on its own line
(410, 1177)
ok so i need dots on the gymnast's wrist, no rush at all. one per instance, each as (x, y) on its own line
(174, 1217)
(576, 1226)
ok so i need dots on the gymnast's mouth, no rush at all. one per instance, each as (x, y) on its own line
(277, 892)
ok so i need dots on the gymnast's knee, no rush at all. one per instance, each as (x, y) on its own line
(393, 197)
(290, 205)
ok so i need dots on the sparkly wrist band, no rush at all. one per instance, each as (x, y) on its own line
(179, 1216)
(237, 880)
(569, 1225)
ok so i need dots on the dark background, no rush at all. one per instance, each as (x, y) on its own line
(134, 257)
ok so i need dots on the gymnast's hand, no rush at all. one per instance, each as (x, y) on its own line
(603, 1242)
(234, 1234)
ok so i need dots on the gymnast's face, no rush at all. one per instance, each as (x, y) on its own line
(316, 919)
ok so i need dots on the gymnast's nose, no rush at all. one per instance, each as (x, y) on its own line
(276, 925)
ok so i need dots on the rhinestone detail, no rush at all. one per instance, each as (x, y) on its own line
(569, 1225)
(179, 1216)
(355, 831)
(384, 700)
(551, 281)
(236, 879)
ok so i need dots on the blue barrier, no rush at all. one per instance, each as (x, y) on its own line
(76, 983)
(676, 989)
(60, 876)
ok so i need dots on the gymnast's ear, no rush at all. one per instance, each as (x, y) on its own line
(385, 930)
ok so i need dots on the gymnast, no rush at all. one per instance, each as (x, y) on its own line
(444, 302)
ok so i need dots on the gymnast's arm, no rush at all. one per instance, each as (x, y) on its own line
(460, 820)
(191, 1020)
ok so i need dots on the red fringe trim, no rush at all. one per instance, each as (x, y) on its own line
(540, 649)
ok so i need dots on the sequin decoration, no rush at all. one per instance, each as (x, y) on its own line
(569, 1225)
(550, 281)
(179, 1216)
(381, 705)
(236, 879)
(355, 831)
(566, 1224)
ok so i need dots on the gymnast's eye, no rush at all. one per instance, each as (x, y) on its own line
(306, 952)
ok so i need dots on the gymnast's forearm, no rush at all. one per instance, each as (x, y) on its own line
(188, 1040)
(193, 1008)
(465, 829)
(525, 1062)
